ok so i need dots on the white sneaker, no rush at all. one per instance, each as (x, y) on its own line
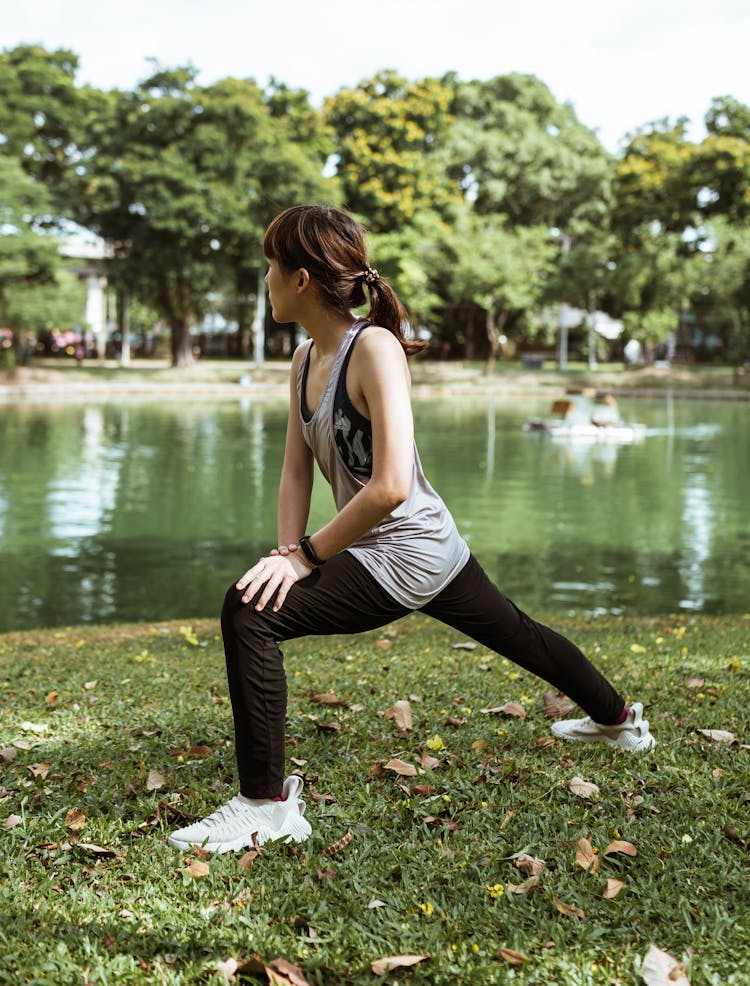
(242, 823)
(632, 735)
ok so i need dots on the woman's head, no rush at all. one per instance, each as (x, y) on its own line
(330, 245)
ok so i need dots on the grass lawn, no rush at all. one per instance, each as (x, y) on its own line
(112, 736)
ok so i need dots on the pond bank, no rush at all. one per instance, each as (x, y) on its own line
(51, 380)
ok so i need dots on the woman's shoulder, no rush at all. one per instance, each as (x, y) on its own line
(299, 353)
(375, 340)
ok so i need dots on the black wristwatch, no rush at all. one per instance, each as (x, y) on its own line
(309, 552)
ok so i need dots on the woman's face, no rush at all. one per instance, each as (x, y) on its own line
(282, 293)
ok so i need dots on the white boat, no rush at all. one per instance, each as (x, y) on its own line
(587, 415)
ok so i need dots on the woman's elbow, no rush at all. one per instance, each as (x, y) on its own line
(391, 495)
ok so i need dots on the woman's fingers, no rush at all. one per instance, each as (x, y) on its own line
(271, 576)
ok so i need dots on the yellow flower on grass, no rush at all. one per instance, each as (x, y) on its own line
(496, 890)
(435, 744)
(427, 908)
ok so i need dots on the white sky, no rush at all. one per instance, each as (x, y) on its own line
(621, 63)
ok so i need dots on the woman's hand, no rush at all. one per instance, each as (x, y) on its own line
(284, 549)
(275, 574)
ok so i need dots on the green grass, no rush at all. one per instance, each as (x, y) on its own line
(89, 713)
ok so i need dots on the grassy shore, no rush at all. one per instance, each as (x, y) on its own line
(112, 736)
(59, 379)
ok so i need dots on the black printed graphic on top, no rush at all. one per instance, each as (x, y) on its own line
(352, 431)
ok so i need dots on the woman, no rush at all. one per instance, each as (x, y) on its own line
(391, 548)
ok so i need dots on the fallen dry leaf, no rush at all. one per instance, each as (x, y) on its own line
(624, 847)
(199, 752)
(464, 645)
(51, 699)
(523, 888)
(155, 780)
(585, 856)
(249, 858)
(613, 888)
(402, 714)
(556, 706)
(661, 969)
(197, 868)
(583, 789)
(382, 643)
(327, 698)
(428, 762)
(41, 770)
(695, 682)
(528, 864)
(401, 768)
(96, 850)
(11, 821)
(513, 957)
(570, 909)
(381, 966)
(718, 735)
(480, 744)
(8, 754)
(506, 819)
(508, 709)
(75, 820)
(543, 742)
(342, 843)
(293, 975)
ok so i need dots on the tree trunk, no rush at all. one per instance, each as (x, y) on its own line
(244, 328)
(494, 326)
(176, 307)
(470, 344)
(182, 352)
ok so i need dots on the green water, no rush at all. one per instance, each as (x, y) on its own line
(146, 511)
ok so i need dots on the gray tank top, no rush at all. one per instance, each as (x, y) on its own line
(416, 550)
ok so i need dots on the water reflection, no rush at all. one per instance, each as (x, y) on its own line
(143, 511)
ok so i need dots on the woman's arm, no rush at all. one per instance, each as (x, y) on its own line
(378, 371)
(277, 573)
(295, 487)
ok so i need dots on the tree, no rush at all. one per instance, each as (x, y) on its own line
(721, 302)
(502, 270)
(515, 150)
(656, 183)
(35, 290)
(265, 151)
(724, 161)
(184, 183)
(388, 135)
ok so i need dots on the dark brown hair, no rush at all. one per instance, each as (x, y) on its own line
(330, 245)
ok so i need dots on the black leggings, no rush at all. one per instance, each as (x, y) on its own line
(342, 597)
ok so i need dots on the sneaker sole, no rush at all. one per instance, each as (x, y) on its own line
(298, 830)
(640, 746)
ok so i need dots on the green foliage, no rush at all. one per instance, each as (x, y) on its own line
(91, 891)
(181, 180)
(515, 150)
(36, 291)
(387, 132)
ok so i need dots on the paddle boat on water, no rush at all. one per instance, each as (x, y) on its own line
(587, 415)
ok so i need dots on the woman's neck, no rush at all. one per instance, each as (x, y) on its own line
(326, 328)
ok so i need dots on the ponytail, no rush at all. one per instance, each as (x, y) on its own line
(386, 310)
(330, 245)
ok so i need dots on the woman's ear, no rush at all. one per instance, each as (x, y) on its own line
(303, 280)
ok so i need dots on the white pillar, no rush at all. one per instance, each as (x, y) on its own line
(96, 310)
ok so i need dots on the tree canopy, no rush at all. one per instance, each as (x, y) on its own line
(487, 200)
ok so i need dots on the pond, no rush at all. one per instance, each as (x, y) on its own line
(147, 511)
